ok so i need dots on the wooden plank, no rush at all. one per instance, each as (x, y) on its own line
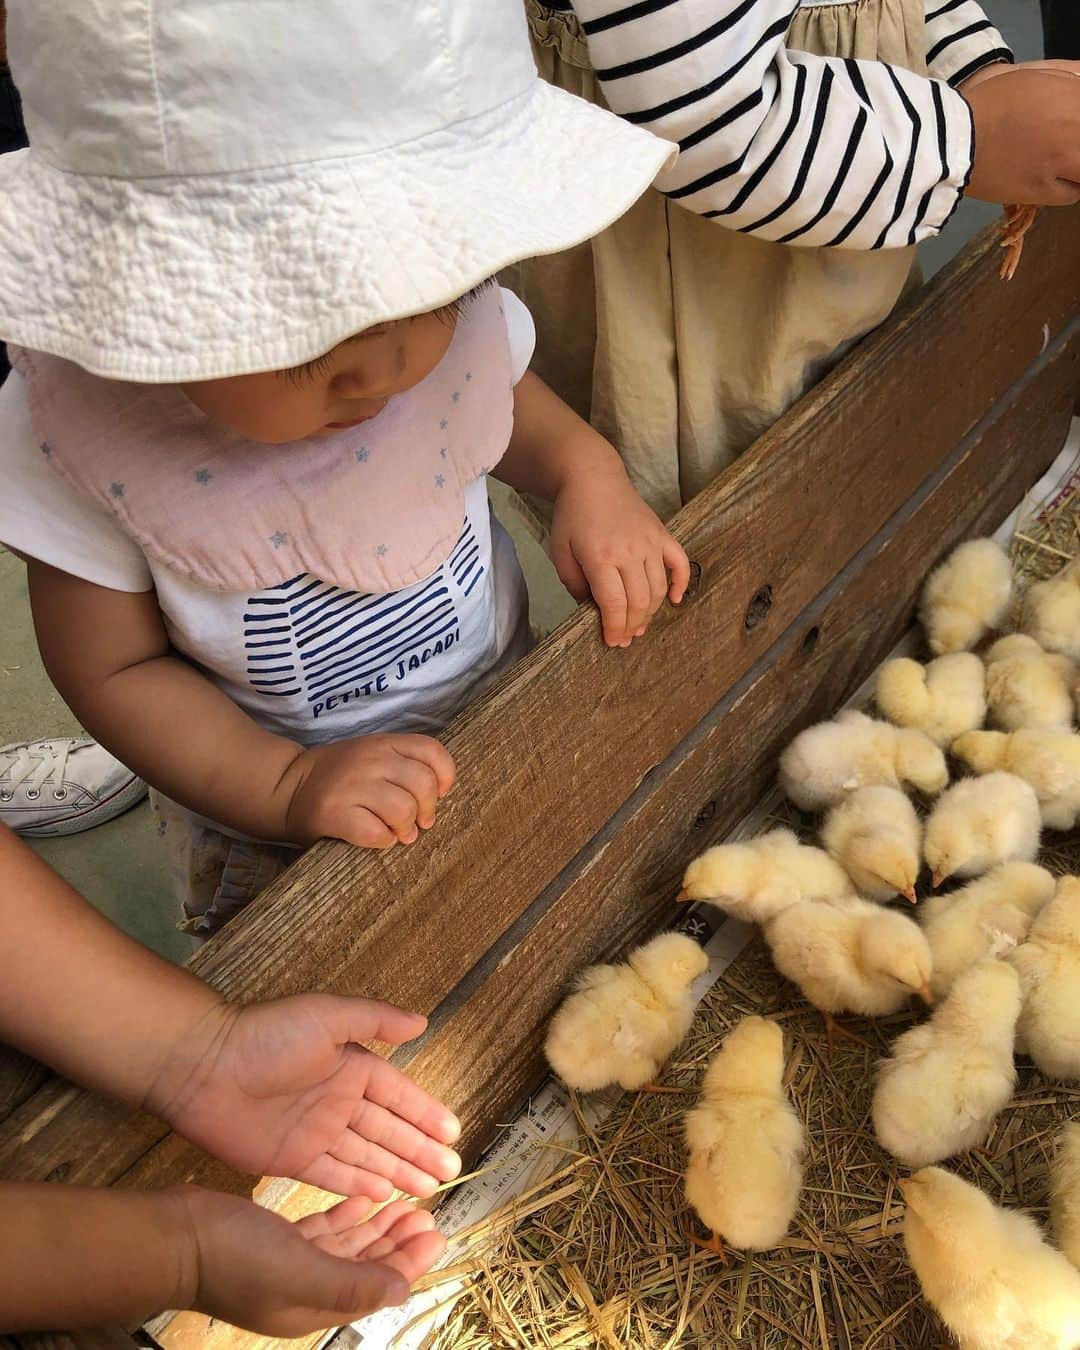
(483, 1049)
(103, 1338)
(576, 728)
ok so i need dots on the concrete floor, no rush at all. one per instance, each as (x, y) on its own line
(118, 866)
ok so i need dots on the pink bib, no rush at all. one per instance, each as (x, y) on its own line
(373, 508)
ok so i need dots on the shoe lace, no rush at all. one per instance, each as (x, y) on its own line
(35, 765)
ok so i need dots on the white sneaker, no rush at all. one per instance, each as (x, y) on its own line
(63, 786)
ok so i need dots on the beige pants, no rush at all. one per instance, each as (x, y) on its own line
(680, 340)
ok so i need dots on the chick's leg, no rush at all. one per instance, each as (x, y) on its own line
(834, 1029)
(715, 1244)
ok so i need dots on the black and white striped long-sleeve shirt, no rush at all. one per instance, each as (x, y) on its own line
(792, 147)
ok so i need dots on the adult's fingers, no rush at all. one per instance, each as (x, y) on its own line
(359, 1020)
(388, 1087)
(359, 1152)
(345, 1288)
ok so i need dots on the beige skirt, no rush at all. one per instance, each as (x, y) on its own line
(680, 340)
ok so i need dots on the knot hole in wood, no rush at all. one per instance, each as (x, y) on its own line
(811, 638)
(695, 580)
(758, 608)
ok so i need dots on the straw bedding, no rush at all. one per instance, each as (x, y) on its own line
(601, 1254)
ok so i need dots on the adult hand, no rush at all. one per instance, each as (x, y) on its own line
(256, 1270)
(284, 1088)
(1027, 133)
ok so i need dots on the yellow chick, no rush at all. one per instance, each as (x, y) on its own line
(987, 917)
(1065, 1194)
(1027, 687)
(979, 823)
(745, 1143)
(966, 596)
(876, 837)
(755, 879)
(1048, 760)
(827, 761)
(850, 956)
(994, 1280)
(1052, 612)
(622, 1021)
(1049, 967)
(942, 699)
(945, 1081)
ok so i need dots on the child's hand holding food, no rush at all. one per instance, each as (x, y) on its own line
(605, 542)
(372, 791)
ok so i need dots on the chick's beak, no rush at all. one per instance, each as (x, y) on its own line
(683, 896)
(910, 896)
(926, 994)
(936, 879)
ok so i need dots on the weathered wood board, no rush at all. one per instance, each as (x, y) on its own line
(588, 777)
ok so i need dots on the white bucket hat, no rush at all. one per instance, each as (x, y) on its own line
(218, 187)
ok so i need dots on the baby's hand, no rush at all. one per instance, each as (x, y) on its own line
(606, 542)
(373, 791)
(1027, 133)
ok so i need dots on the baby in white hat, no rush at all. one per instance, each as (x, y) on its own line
(261, 375)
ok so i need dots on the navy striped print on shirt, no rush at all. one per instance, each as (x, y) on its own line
(309, 637)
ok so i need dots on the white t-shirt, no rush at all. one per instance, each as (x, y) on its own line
(305, 659)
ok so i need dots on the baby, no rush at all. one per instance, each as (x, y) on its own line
(261, 375)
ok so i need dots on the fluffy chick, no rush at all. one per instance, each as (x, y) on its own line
(827, 761)
(745, 1142)
(979, 823)
(876, 837)
(945, 1081)
(987, 917)
(1048, 760)
(1052, 612)
(622, 1021)
(1065, 1193)
(851, 956)
(1049, 967)
(942, 699)
(994, 1280)
(755, 879)
(1027, 687)
(966, 596)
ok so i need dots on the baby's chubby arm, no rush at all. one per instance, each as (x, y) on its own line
(605, 541)
(109, 655)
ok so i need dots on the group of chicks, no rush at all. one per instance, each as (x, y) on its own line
(998, 958)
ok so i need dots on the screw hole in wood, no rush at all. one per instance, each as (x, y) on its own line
(758, 608)
(704, 815)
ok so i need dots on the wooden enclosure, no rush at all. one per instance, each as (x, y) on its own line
(588, 777)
